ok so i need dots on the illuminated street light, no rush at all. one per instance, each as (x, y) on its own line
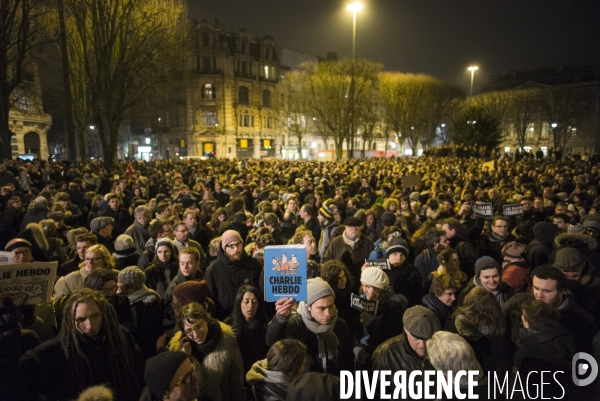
(313, 144)
(554, 125)
(92, 127)
(472, 68)
(393, 145)
(354, 8)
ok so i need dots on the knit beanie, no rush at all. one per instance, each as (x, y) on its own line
(486, 262)
(168, 243)
(396, 244)
(514, 250)
(568, 259)
(132, 277)
(124, 242)
(195, 291)
(388, 219)
(317, 289)
(230, 236)
(576, 229)
(421, 322)
(375, 277)
(160, 371)
(326, 210)
(239, 217)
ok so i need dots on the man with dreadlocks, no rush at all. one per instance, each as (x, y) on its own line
(91, 349)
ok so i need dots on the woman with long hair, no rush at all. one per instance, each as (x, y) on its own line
(270, 377)
(214, 350)
(91, 349)
(164, 266)
(249, 323)
(341, 281)
(482, 323)
(218, 217)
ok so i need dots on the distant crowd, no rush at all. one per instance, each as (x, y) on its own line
(160, 286)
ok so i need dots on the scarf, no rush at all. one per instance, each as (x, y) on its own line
(493, 237)
(348, 241)
(199, 351)
(327, 340)
(499, 290)
(442, 311)
(146, 294)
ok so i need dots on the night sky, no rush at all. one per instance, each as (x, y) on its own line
(437, 37)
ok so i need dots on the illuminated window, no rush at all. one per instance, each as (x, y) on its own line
(266, 72)
(208, 147)
(243, 143)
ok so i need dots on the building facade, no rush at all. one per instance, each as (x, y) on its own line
(27, 119)
(585, 138)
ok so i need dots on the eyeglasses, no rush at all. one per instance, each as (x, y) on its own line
(92, 259)
(197, 327)
(187, 379)
(233, 245)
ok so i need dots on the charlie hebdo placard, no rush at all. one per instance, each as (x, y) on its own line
(285, 273)
(484, 210)
(515, 209)
(28, 283)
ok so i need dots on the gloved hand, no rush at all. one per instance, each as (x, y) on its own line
(361, 355)
(366, 318)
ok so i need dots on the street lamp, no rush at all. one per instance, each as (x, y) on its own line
(472, 68)
(354, 7)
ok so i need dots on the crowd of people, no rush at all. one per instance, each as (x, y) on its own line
(160, 283)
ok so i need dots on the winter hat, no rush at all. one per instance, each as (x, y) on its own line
(486, 262)
(317, 289)
(168, 243)
(568, 259)
(239, 217)
(326, 211)
(195, 291)
(17, 243)
(397, 244)
(414, 196)
(514, 249)
(100, 222)
(132, 277)
(576, 229)
(160, 371)
(124, 243)
(592, 223)
(388, 219)
(230, 236)
(352, 222)
(421, 322)
(375, 277)
(571, 208)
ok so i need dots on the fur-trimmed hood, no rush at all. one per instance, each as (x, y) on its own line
(96, 393)
(576, 241)
(221, 373)
(34, 234)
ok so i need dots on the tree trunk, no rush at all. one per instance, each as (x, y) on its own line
(5, 133)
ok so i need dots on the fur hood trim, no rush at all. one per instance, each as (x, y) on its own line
(37, 235)
(96, 393)
(227, 334)
(570, 240)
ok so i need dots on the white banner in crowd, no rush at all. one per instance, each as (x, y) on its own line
(28, 283)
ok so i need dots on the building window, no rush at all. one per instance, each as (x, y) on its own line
(205, 39)
(208, 91)
(243, 97)
(266, 68)
(270, 122)
(22, 101)
(246, 120)
(206, 64)
(266, 98)
(209, 118)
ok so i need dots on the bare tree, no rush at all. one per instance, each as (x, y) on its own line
(296, 112)
(564, 108)
(123, 49)
(22, 28)
(523, 109)
(336, 89)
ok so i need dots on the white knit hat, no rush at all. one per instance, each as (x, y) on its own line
(318, 288)
(375, 277)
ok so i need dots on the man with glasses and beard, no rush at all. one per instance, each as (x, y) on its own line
(232, 268)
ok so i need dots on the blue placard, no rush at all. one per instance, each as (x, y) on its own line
(285, 272)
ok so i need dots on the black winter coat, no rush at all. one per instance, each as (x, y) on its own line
(224, 277)
(294, 328)
(406, 280)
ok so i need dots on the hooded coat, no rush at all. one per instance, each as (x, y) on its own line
(220, 373)
(34, 215)
(267, 385)
(538, 250)
(225, 276)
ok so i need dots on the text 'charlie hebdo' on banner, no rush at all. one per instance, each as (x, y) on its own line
(28, 283)
(484, 210)
(285, 273)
